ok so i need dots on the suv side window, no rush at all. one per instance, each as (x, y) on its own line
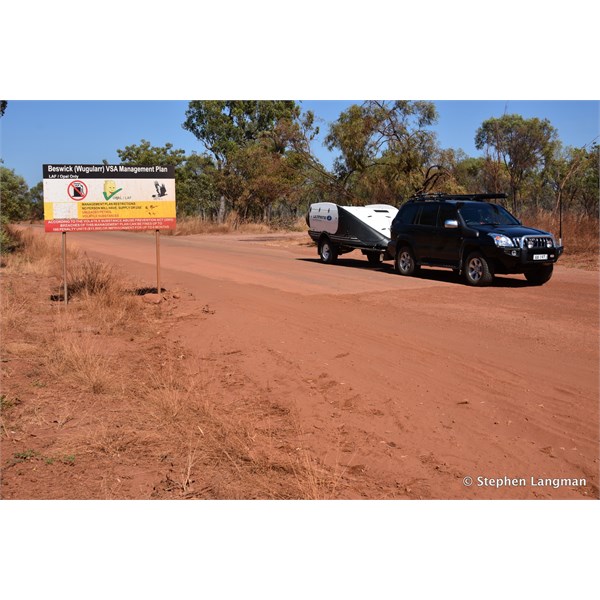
(447, 211)
(428, 214)
(407, 214)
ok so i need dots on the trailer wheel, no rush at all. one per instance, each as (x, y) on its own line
(327, 251)
(374, 258)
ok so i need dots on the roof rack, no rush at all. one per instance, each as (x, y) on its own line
(464, 197)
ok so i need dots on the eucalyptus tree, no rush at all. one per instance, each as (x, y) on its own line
(523, 145)
(235, 131)
(574, 176)
(386, 149)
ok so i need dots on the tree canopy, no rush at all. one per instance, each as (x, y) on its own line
(386, 148)
(255, 145)
(14, 194)
(523, 145)
(255, 161)
(145, 154)
(223, 126)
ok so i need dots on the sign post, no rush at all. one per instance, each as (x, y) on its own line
(158, 288)
(64, 257)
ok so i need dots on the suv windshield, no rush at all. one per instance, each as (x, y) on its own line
(486, 214)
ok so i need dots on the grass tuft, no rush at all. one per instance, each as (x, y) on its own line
(89, 277)
(80, 361)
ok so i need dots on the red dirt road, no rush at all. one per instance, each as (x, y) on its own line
(408, 384)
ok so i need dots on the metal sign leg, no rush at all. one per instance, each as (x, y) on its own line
(64, 257)
(158, 287)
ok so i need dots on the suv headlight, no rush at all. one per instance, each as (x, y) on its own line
(501, 241)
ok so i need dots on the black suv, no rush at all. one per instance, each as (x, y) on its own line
(470, 235)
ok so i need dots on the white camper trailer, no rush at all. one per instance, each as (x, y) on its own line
(341, 229)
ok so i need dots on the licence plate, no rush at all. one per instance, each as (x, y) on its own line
(540, 257)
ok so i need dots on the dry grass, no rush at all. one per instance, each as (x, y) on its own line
(78, 360)
(37, 254)
(197, 225)
(142, 417)
(231, 450)
(315, 481)
(194, 225)
(101, 290)
(170, 389)
(14, 307)
(98, 288)
(233, 224)
(580, 235)
(89, 277)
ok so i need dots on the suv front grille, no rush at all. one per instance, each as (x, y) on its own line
(537, 241)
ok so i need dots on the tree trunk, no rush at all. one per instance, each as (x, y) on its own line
(221, 214)
(222, 207)
(558, 202)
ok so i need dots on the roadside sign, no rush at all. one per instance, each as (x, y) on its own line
(108, 197)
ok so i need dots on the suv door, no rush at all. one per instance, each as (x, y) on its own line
(402, 227)
(447, 243)
(424, 232)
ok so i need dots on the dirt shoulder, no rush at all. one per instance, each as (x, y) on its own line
(265, 374)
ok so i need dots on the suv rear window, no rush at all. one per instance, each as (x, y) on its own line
(428, 214)
(407, 213)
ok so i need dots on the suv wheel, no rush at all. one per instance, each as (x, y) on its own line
(405, 261)
(477, 270)
(540, 275)
(327, 251)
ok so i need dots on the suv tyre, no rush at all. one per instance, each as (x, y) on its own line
(540, 275)
(477, 270)
(405, 261)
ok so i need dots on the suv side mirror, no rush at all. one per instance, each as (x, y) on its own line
(451, 224)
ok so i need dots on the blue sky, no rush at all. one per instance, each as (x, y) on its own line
(39, 131)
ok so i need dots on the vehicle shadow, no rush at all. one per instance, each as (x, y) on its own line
(352, 263)
(501, 281)
(425, 273)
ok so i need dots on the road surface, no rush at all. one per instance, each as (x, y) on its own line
(416, 387)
